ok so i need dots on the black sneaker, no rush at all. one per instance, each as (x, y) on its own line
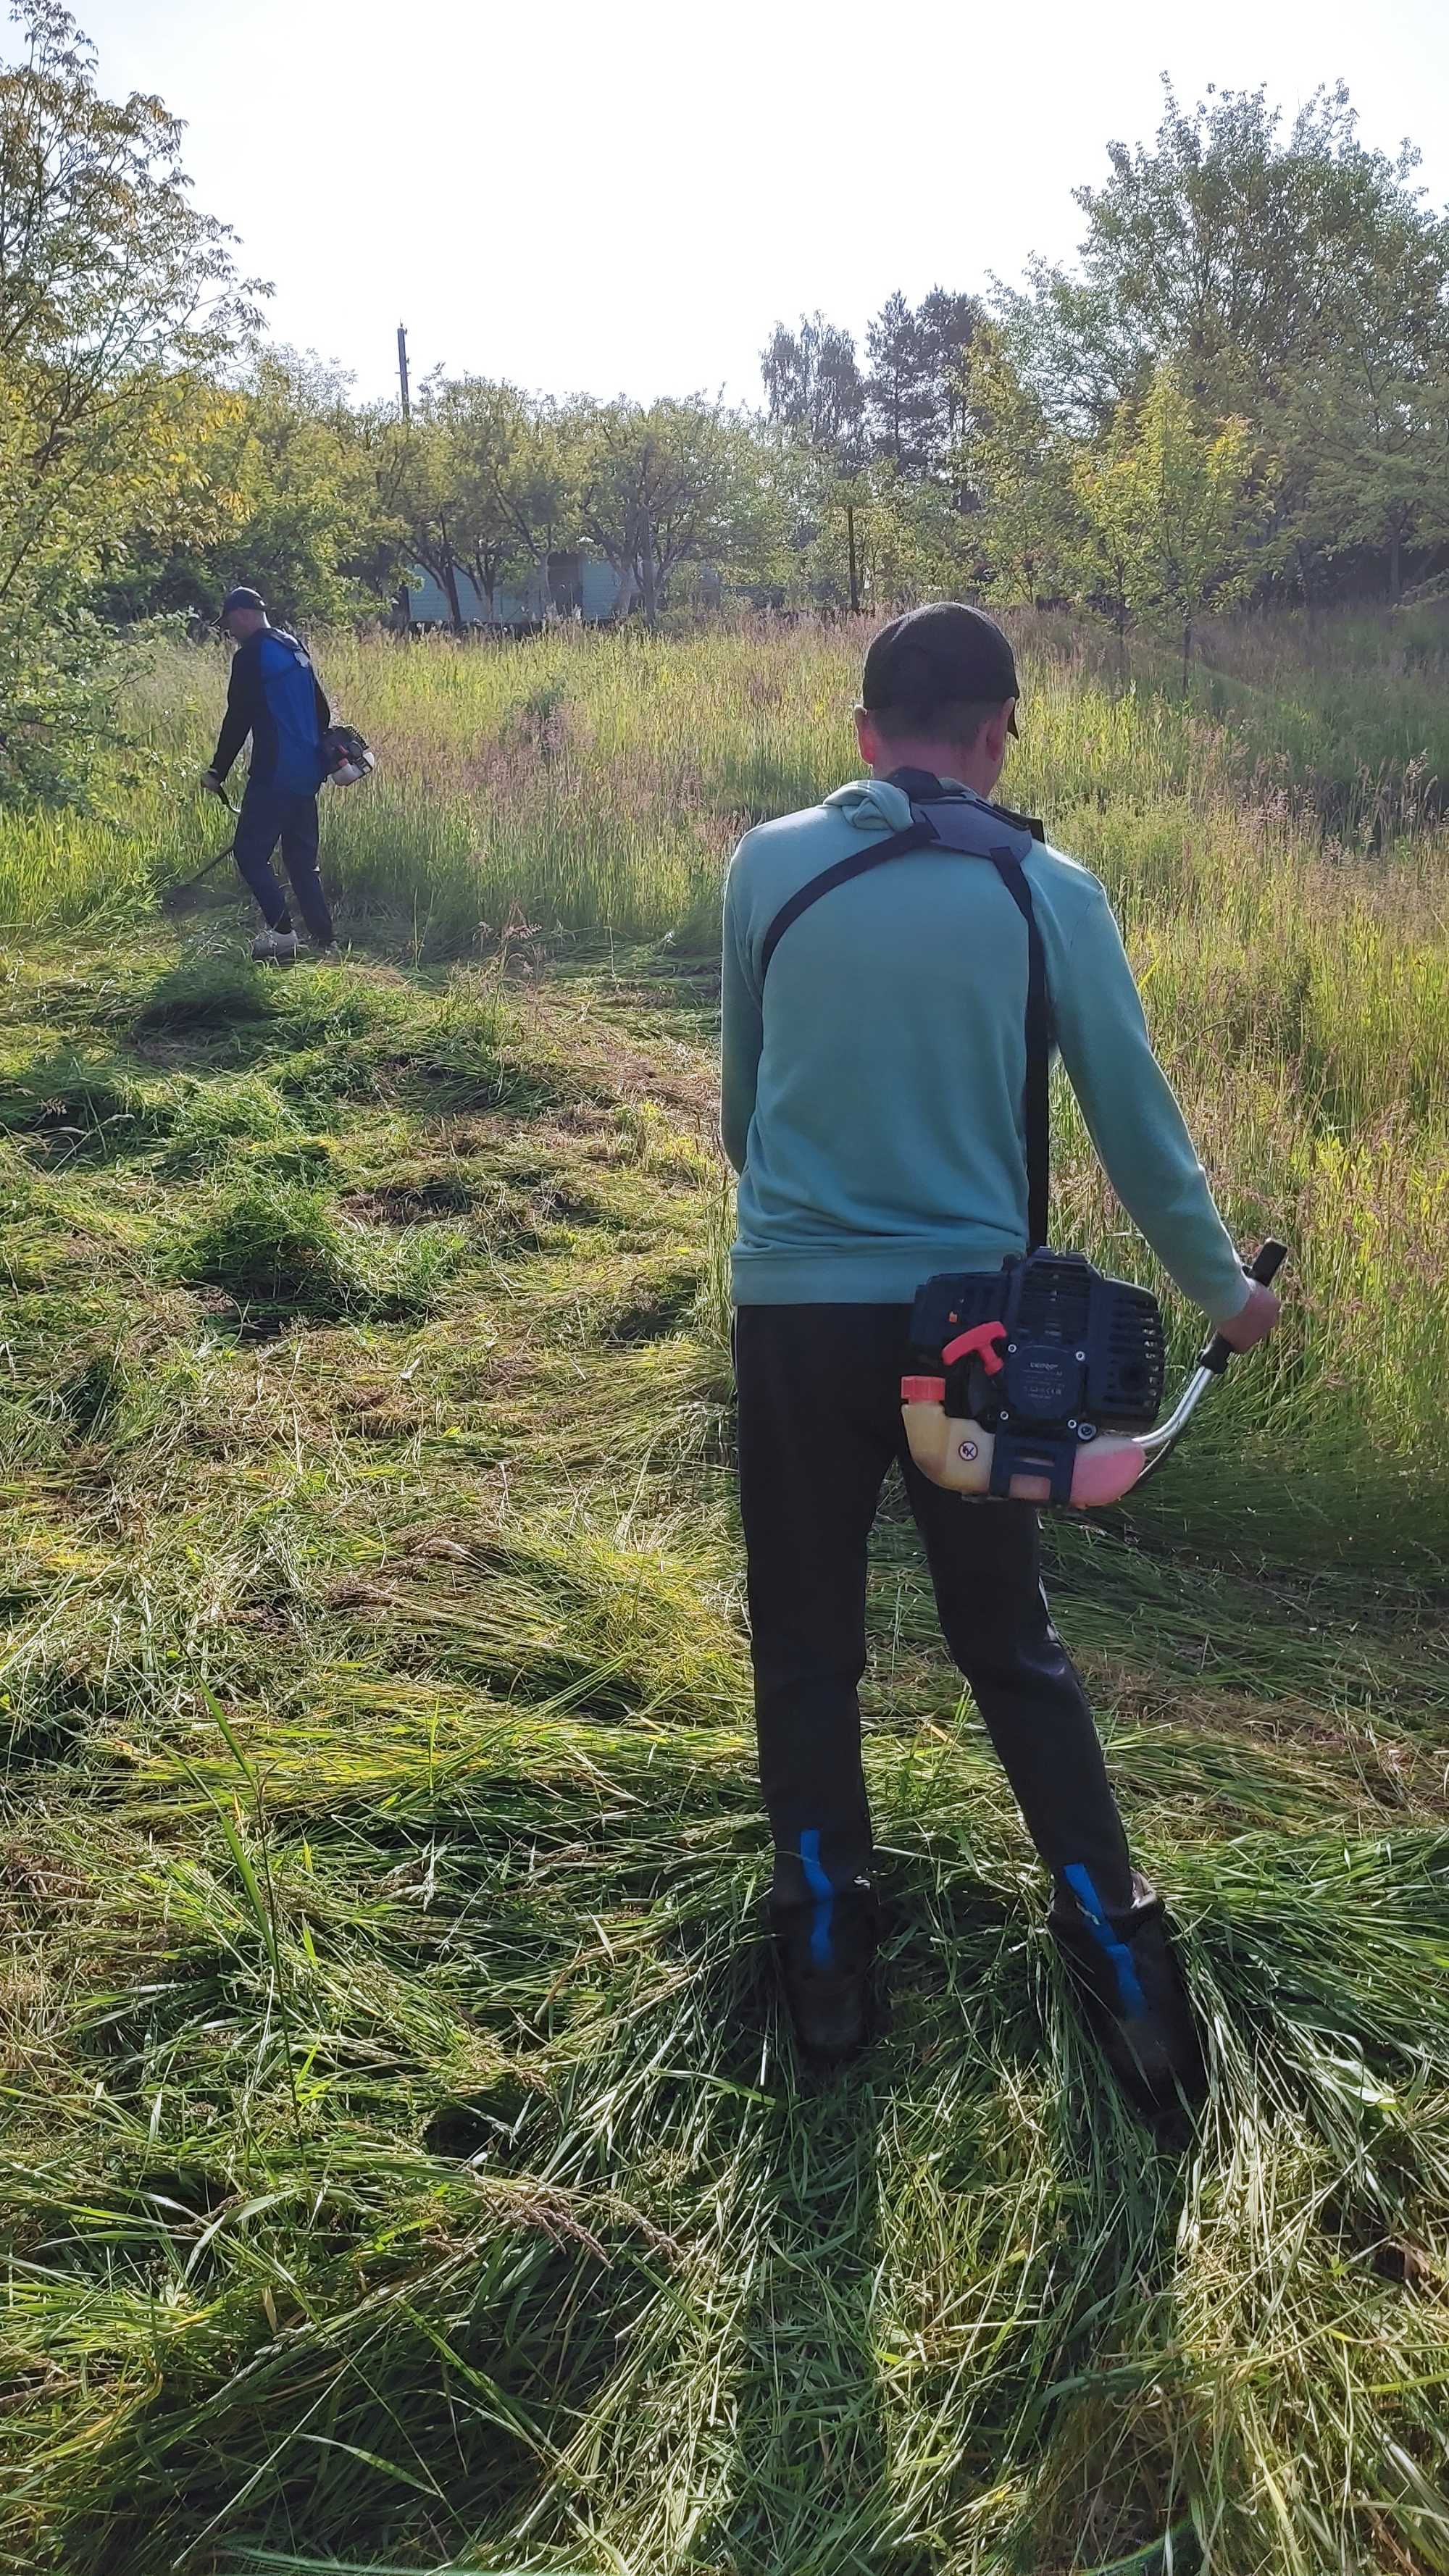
(826, 1950)
(1134, 1996)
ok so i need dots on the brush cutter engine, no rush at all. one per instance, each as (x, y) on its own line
(1041, 1381)
(346, 756)
(1016, 1375)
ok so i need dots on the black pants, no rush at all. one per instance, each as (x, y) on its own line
(819, 1424)
(268, 816)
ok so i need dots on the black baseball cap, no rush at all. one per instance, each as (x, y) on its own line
(935, 657)
(243, 598)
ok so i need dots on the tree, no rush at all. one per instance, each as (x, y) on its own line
(111, 286)
(1380, 484)
(905, 536)
(815, 399)
(1295, 282)
(916, 385)
(286, 485)
(376, 554)
(534, 481)
(908, 539)
(900, 388)
(1371, 429)
(1174, 508)
(1240, 258)
(858, 459)
(1015, 465)
(429, 495)
(948, 325)
(664, 485)
(814, 390)
(488, 486)
(477, 425)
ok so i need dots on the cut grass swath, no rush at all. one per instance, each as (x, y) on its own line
(260, 1894)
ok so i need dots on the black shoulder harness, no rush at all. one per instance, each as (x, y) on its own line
(963, 827)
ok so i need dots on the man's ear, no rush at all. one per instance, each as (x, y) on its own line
(996, 733)
(867, 737)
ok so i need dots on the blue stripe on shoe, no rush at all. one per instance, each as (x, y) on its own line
(821, 1947)
(1128, 1986)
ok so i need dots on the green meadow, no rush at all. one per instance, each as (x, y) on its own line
(403, 2164)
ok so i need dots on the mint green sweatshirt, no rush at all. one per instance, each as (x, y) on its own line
(871, 1103)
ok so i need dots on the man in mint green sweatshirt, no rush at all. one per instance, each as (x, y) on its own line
(872, 1105)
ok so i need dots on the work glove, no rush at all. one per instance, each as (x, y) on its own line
(210, 783)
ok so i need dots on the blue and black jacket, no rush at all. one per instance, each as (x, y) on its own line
(276, 697)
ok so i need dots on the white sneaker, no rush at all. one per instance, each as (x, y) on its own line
(278, 947)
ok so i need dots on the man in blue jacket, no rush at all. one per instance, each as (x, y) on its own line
(276, 697)
(873, 1107)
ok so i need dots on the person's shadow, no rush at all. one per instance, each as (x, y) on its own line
(810, 2484)
(948, 2240)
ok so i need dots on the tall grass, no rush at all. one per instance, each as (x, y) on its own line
(590, 787)
(1352, 704)
(58, 867)
(1345, 709)
(585, 788)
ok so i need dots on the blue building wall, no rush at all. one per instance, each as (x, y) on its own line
(584, 578)
(599, 584)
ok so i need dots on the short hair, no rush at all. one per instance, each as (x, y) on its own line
(958, 720)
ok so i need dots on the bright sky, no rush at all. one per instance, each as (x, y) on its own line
(623, 196)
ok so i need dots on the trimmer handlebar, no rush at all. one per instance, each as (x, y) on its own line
(1213, 1359)
(1264, 1266)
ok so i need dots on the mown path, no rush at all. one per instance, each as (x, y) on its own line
(402, 2165)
